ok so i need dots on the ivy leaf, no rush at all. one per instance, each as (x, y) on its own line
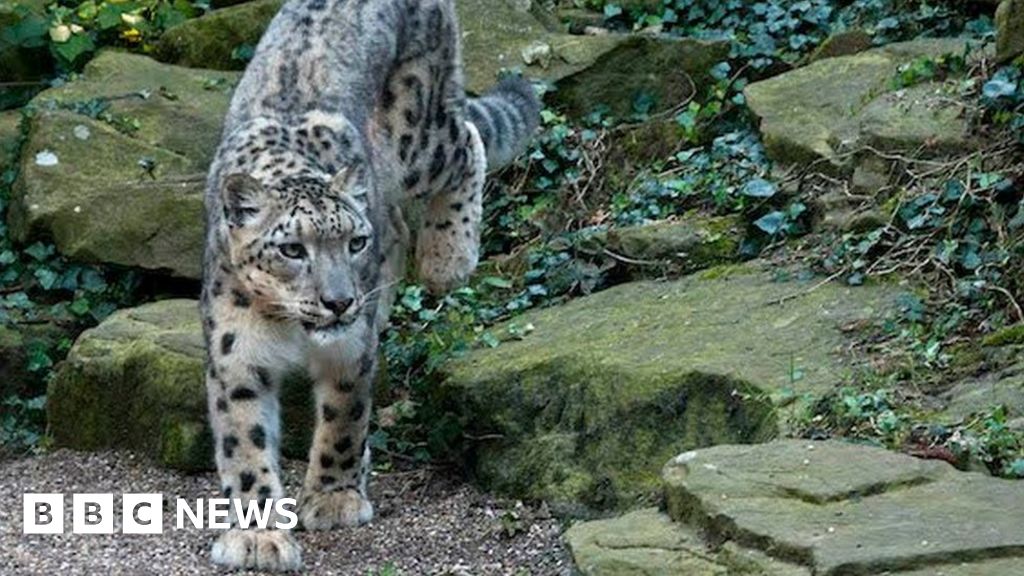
(110, 16)
(1016, 468)
(998, 88)
(76, 46)
(771, 223)
(971, 260)
(92, 281)
(39, 251)
(490, 340)
(38, 359)
(31, 31)
(759, 188)
(46, 278)
(413, 298)
(79, 307)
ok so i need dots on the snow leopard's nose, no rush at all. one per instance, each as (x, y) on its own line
(337, 306)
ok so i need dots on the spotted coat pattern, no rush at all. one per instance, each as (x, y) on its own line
(348, 110)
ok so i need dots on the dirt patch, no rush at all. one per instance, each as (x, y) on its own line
(427, 523)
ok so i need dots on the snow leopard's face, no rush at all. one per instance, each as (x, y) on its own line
(303, 248)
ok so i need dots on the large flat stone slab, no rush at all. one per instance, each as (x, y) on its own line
(833, 105)
(115, 163)
(586, 408)
(648, 543)
(841, 509)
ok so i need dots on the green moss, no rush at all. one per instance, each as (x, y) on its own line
(136, 381)
(693, 242)
(186, 446)
(606, 388)
(208, 42)
(724, 271)
(1004, 336)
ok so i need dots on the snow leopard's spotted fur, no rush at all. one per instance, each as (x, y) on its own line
(347, 108)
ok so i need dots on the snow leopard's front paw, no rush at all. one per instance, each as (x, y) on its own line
(325, 510)
(271, 550)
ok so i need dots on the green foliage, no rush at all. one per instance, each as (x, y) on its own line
(963, 231)
(1002, 96)
(927, 69)
(767, 32)
(22, 421)
(73, 31)
(727, 175)
(39, 286)
(993, 442)
(874, 416)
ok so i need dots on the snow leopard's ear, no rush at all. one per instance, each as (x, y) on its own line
(244, 199)
(350, 182)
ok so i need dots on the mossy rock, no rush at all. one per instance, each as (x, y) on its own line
(583, 411)
(830, 106)
(609, 70)
(83, 183)
(838, 508)
(686, 244)
(1008, 335)
(136, 381)
(1009, 30)
(210, 40)
(666, 71)
(692, 242)
(844, 43)
(924, 117)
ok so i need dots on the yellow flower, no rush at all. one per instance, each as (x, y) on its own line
(131, 19)
(131, 35)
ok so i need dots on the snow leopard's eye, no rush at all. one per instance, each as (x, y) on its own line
(357, 244)
(293, 250)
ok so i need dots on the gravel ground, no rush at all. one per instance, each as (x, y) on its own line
(427, 523)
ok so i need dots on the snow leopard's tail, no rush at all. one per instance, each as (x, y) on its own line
(506, 117)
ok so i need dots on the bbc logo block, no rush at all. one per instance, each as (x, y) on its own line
(43, 514)
(144, 513)
(93, 514)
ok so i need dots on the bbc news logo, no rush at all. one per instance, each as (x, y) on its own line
(143, 513)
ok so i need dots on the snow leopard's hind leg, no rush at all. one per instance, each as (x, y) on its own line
(445, 142)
